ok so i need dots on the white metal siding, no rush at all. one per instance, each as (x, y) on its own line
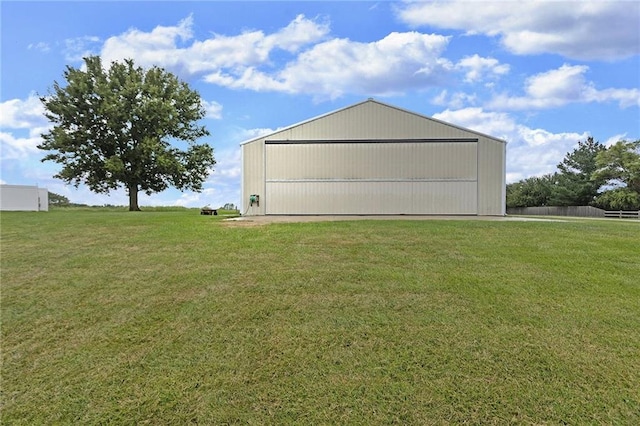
(455, 198)
(23, 198)
(253, 177)
(389, 160)
(401, 177)
(491, 178)
(43, 199)
(372, 120)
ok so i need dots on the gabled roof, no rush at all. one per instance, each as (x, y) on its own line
(370, 100)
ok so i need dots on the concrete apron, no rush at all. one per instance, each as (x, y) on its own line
(332, 218)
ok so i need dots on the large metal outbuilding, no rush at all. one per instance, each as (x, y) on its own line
(373, 159)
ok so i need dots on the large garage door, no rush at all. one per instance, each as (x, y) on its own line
(371, 177)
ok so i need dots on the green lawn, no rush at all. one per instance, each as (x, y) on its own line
(169, 317)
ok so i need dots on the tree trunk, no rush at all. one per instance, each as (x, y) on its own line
(133, 198)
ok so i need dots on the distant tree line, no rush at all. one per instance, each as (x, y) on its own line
(57, 200)
(229, 206)
(590, 175)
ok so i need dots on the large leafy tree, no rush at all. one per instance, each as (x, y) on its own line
(619, 167)
(118, 127)
(575, 183)
(531, 192)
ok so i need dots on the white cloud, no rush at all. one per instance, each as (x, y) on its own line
(160, 46)
(455, 100)
(77, 48)
(213, 109)
(222, 51)
(19, 114)
(614, 139)
(243, 135)
(227, 164)
(300, 32)
(41, 47)
(246, 78)
(559, 87)
(530, 152)
(326, 69)
(536, 152)
(15, 148)
(625, 97)
(601, 30)
(22, 114)
(477, 68)
(497, 124)
(392, 65)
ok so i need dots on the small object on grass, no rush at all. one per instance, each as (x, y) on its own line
(206, 210)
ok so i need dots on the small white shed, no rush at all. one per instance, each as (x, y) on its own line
(23, 198)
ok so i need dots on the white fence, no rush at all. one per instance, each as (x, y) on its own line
(621, 214)
(576, 211)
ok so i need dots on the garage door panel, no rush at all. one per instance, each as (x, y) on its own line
(371, 197)
(397, 160)
(445, 198)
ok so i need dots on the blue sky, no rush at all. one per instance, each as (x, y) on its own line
(542, 75)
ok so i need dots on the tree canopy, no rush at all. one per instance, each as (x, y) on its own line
(530, 192)
(575, 184)
(117, 128)
(618, 167)
(590, 175)
(58, 200)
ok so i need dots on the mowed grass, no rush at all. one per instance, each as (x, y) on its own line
(169, 317)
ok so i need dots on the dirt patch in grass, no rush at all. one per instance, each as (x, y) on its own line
(242, 222)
